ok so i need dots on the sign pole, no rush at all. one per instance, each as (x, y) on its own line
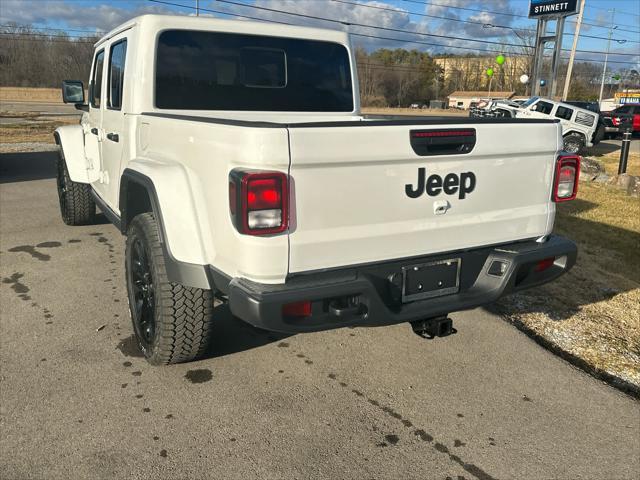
(543, 11)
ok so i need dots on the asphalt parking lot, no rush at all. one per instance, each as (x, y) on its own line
(78, 401)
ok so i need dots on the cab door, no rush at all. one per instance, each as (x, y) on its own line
(113, 121)
(92, 121)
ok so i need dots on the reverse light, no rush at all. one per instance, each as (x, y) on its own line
(565, 185)
(258, 201)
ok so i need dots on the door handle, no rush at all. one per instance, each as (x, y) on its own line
(94, 131)
(113, 137)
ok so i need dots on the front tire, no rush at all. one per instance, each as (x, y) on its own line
(77, 206)
(573, 143)
(172, 323)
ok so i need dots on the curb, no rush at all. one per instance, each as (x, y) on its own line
(610, 379)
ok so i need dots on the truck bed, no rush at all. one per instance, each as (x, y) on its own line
(355, 192)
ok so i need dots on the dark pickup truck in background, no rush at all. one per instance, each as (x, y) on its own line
(618, 120)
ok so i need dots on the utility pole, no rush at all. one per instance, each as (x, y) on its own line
(555, 63)
(606, 56)
(576, 36)
(198, 8)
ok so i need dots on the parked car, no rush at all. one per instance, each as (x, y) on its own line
(595, 108)
(579, 125)
(234, 158)
(621, 118)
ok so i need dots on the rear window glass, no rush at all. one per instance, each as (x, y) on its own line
(229, 71)
(564, 112)
(585, 119)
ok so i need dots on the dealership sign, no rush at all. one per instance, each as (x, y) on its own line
(553, 8)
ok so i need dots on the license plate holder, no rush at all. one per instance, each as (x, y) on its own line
(432, 279)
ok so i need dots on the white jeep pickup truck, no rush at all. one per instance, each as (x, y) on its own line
(234, 158)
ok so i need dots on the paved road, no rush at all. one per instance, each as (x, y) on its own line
(77, 401)
(57, 108)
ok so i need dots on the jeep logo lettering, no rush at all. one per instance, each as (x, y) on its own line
(450, 185)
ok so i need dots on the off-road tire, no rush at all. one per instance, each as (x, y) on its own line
(77, 206)
(183, 315)
(573, 143)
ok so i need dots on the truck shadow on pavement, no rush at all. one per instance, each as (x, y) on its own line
(232, 335)
(26, 166)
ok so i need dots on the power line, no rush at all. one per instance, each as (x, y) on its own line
(376, 7)
(43, 40)
(31, 34)
(365, 35)
(342, 22)
(422, 2)
(96, 32)
(48, 38)
(389, 29)
(475, 50)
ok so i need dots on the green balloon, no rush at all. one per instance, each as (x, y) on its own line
(616, 77)
(500, 59)
(489, 72)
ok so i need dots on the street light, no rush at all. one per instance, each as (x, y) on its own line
(606, 56)
(490, 25)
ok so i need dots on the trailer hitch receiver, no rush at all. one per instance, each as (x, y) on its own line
(431, 328)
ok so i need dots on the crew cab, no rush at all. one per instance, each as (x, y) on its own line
(234, 158)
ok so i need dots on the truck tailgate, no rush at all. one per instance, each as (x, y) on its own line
(355, 196)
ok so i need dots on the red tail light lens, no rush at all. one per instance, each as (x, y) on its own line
(258, 201)
(615, 121)
(297, 309)
(545, 264)
(263, 193)
(566, 180)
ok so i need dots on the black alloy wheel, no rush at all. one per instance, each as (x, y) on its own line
(141, 281)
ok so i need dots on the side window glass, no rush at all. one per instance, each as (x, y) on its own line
(564, 112)
(543, 107)
(96, 79)
(115, 82)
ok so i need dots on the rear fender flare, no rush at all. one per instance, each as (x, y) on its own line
(70, 139)
(171, 201)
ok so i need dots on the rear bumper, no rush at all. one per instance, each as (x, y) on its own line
(370, 298)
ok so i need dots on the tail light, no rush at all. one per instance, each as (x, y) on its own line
(297, 309)
(258, 201)
(544, 264)
(565, 186)
(615, 121)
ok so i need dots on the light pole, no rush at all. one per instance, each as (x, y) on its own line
(576, 36)
(606, 56)
(197, 8)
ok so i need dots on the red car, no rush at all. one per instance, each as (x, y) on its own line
(616, 121)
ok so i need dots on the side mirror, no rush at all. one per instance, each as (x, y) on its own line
(73, 91)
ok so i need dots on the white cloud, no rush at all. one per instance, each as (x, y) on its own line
(102, 16)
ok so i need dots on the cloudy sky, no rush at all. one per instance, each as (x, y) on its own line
(430, 25)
